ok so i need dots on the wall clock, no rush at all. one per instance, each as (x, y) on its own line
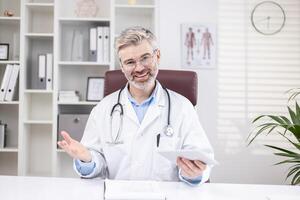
(268, 17)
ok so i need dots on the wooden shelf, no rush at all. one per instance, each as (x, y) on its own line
(9, 18)
(79, 103)
(9, 62)
(39, 35)
(38, 122)
(39, 5)
(8, 149)
(70, 63)
(9, 102)
(134, 6)
(10, 21)
(83, 19)
(31, 91)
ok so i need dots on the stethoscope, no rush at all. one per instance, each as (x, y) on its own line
(118, 108)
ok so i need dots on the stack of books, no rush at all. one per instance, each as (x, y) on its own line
(68, 96)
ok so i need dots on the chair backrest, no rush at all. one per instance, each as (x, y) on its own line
(182, 82)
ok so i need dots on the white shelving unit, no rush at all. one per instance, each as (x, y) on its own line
(9, 111)
(46, 26)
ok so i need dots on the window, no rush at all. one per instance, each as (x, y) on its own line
(254, 70)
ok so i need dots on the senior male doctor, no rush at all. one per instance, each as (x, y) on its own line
(125, 147)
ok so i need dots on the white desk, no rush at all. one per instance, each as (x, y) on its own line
(32, 188)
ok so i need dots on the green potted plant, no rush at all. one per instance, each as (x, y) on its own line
(278, 124)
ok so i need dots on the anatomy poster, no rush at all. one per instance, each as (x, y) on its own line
(198, 46)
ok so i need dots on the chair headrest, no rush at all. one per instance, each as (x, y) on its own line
(182, 82)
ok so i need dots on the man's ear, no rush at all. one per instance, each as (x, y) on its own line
(158, 55)
(121, 66)
(120, 63)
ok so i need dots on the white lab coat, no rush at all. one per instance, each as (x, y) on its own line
(137, 157)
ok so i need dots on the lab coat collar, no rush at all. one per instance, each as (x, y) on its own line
(153, 111)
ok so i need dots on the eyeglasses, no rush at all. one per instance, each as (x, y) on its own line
(145, 60)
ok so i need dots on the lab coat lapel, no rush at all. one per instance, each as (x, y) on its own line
(154, 110)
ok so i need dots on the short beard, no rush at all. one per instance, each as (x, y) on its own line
(145, 85)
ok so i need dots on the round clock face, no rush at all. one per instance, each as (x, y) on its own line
(268, 18)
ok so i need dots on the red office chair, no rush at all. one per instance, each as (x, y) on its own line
(182, 82)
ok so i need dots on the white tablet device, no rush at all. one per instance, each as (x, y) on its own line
(188, 154)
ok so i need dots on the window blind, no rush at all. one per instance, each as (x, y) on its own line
(254, 71)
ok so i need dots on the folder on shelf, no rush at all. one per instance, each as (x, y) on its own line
(49, 71)
(100, 44)
(106, 44)
(41, 82)
(93, 44)
(12, 83)
(2, 135)
(5, 81)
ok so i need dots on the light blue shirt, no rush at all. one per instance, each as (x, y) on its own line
(140, 110)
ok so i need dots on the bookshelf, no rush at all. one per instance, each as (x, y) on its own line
(47, 26)
(9, 111)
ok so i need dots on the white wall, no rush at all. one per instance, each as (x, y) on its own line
(239, 166)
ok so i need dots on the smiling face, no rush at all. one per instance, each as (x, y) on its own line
(140, 65)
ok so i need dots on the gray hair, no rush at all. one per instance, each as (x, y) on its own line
(134, 36)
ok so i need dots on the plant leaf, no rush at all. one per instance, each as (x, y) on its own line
(296, 178)
(256, 134)
(297, 109)
(293, 169)
(281, 149)
(293, 116)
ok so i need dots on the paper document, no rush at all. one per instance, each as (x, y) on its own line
(132, 190)
(189, 154)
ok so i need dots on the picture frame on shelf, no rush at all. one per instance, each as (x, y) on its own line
(95, 88)
(4, 51)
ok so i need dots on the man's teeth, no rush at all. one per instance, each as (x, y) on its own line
(139, 76)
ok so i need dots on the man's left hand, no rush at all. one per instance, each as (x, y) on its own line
(190, 168)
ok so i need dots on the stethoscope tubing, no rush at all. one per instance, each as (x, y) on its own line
(118, 104)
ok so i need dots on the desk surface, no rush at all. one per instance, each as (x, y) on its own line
(46, 188)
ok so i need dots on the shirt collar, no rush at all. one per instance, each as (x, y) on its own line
(150, 99)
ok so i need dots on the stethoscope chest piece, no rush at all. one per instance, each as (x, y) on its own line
(168, 130)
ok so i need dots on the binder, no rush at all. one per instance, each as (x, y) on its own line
(100, 44)
(49, 71)
(41, 79)
(93, 44)
(2, 135)
(12, 83)
(77, 46)
(106, 44)
(5, 81)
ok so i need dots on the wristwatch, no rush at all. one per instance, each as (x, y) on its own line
(268, 17)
